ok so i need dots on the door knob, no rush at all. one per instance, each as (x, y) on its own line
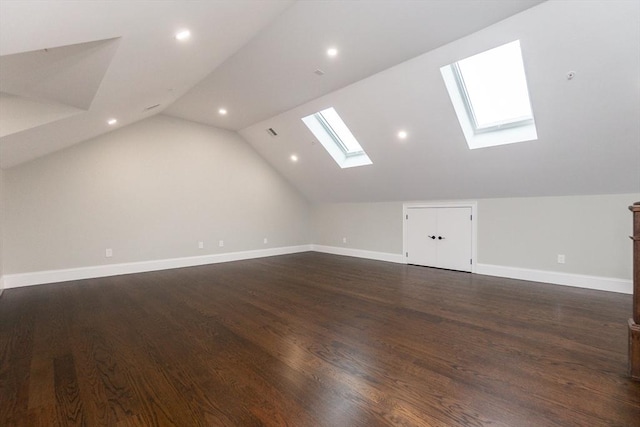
(431, 237)
(440, 238)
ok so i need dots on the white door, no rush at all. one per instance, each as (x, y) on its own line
(440, 237)
(422, 226)
(454, 238)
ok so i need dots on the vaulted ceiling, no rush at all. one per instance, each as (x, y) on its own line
(66, 67)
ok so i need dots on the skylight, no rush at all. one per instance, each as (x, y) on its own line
(490, 95)
(183, 35)
(336, 138)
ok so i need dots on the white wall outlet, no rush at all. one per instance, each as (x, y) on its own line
(221, 243)
(200, 244)
(561, 259)
(108, 252)
(266, 240)
(344, 240)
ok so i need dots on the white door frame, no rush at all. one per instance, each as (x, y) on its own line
(444, 204)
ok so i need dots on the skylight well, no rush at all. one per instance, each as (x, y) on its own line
(490, 96)
(336, 138)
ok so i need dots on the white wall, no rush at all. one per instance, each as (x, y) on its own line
(591, 231)
(152, 190)
(149, 191)
(517, 237)
(366, 226)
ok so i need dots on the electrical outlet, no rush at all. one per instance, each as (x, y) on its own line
(561, 259)
(344, 240)
(108, 252)
(221, 243)
(200, 244)
(265, 241)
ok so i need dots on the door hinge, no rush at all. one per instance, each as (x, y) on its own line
(471, 261)
(407, 254)
(471, 217)
(407, 216)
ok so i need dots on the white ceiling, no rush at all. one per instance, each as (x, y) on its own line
(588, 127)
(107, 59)
(257, 59)
(275, 71)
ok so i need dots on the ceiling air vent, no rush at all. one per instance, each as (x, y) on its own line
(272, 132)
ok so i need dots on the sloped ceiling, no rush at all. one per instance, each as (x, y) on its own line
(66, 67)
(68, 74)
(46, 85)
(257, 59)
(276, 70)
(588, 127)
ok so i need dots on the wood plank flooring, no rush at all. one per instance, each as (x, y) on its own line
(314, 340)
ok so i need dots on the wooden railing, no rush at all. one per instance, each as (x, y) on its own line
(634, 323)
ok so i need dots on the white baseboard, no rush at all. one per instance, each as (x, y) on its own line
(556, 278)
(54, 276)
(359, 253)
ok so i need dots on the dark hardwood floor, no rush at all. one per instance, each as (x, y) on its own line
(314, 340)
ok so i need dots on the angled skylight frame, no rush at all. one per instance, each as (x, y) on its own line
(469, 106)
(347, 143)
(336, 137)
(490, 95)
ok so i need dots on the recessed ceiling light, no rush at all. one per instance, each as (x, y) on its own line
(332, 52)
(402, 134)
(222, 111)
(112, 122)
(183, 35)
(294, 158)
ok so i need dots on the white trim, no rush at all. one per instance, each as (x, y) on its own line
(475, 140)
(359, 253)
(556, 278)
(54, 276)
(337, 150)
(445, 204)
